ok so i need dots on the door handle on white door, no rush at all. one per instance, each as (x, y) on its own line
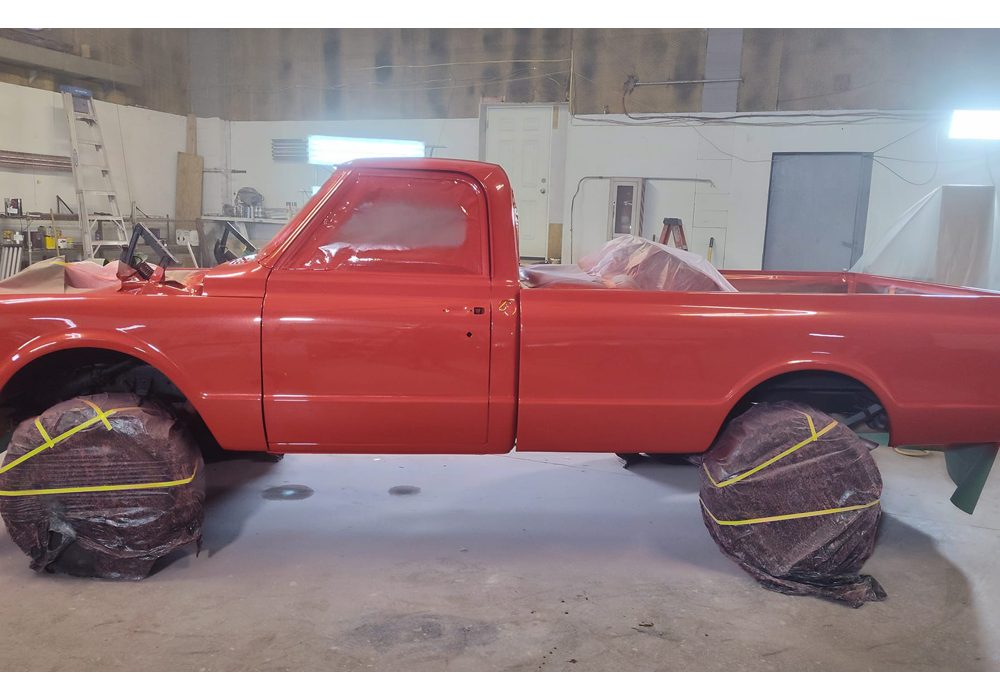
(542, 190)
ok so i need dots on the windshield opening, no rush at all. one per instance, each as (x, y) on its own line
(286, 232)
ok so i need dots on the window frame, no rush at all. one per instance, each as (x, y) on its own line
(292, 259)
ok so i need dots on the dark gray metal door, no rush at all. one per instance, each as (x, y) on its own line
(816, 210)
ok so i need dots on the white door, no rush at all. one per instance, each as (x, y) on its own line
(518, 140)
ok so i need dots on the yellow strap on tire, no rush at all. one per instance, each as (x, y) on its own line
(739, 477)
(49, 443)
(790, 516)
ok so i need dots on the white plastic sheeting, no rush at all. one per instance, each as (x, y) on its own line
(951, 236)
(630, 262)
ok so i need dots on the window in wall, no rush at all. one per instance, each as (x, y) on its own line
(403, 222)
(334, 150)
(625, 207)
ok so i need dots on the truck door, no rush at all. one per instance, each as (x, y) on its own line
(376, 322)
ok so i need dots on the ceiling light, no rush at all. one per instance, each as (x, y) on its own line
(975, 124)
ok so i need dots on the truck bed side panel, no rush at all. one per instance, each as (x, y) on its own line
(625, 371)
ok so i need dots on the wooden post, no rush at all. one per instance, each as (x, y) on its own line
(192, 134)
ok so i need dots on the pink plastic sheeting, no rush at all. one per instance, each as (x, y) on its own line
(56, 276)
(630, 262)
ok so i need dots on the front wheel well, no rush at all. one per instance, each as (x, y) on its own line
(830, 392)
(65, 374)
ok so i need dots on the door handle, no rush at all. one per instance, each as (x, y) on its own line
(478, 310)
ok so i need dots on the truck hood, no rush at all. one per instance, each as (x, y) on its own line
(244, 277)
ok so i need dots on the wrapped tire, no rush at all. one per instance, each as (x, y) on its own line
(102, 486)
(792, 496)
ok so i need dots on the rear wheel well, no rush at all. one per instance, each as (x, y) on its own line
(830, 392)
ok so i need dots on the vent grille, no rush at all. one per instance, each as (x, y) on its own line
(290, 150)
(34, 161)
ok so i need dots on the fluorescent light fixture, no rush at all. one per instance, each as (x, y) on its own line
(975, 124)
(334, 150)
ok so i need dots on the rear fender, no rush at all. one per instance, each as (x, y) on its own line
(859, 374)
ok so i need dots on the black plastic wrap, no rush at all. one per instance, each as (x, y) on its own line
(786, 459)
(101, 532)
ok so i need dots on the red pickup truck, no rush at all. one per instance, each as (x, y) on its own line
(388, 316)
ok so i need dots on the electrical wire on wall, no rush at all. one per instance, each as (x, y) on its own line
(929, 119)
(926, 120)
(937, 162)
(833, 118)
(823, 118)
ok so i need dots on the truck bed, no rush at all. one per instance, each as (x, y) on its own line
(769, 282)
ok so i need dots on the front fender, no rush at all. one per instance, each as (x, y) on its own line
(118, 341)
(208, 346)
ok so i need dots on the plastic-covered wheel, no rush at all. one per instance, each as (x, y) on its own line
(793, 496)
(102, 485)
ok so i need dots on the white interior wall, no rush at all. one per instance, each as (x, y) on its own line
(34, 121)
(733, 209)
(737, 159)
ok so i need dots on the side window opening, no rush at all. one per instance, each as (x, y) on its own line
(402, 222)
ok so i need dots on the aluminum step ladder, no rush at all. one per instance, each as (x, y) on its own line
(95, 188)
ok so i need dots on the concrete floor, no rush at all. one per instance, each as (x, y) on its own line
(529, 562)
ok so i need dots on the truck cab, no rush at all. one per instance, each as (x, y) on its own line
(390, 318)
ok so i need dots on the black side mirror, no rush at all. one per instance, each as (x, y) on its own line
(222, 252)
(140, 232)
